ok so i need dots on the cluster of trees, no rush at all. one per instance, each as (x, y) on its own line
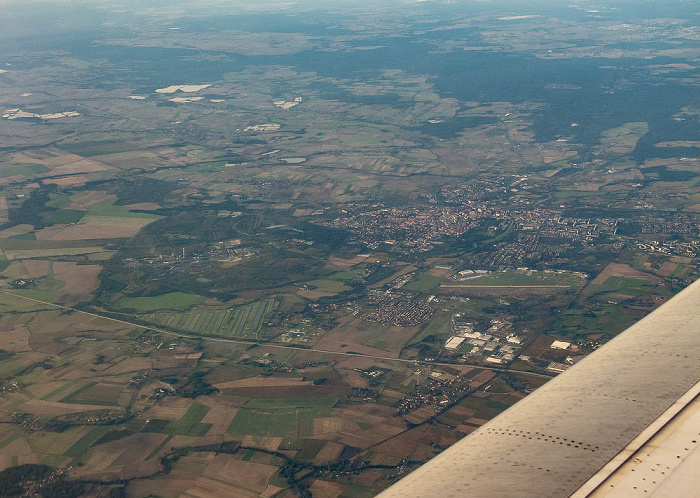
(196, 386)
(39, 480)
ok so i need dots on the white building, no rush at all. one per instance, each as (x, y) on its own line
(560, 345)
(454, 342)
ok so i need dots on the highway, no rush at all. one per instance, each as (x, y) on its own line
(272, 345)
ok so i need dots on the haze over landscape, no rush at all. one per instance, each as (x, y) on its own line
(291, 248)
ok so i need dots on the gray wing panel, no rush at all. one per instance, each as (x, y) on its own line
(554, 440)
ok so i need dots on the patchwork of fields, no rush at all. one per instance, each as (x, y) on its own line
(234, 269)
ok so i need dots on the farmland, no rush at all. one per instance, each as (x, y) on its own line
(241, 322)
(189, 425)
(237, 243)
(281, 417)
(277, 423)
(172, 300)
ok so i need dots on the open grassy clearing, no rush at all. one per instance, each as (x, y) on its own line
(49, 282)
(425, 283)
(322, 288)
(288, 423)
(171, 300)
(108, 209)
(281, 417)
(45, 284)
(346, 275)
(630, 287)
(623, 139)
(281, 403)
(328, 286)
(64, 216)
(56, 443)
(47, 296)
(25, 170)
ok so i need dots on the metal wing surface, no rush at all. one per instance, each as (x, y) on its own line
(622, 422)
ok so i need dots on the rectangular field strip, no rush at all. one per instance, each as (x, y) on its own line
(242, 322)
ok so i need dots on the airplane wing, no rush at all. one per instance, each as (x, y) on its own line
(623, 422)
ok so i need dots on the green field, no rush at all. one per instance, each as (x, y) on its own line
(281, 417)
(46, 296)
(84, 442)
(43, 289)
(171, 300)
(114, 435)
(65, 216)
(189, 425)
(623, 139)
(95, 394)
(243, 321)
(26, 170)
(8, 440)
(282, 403)
(523, 279)
(608, 321)
(24, 236)
(158, 448)
(425, 283)
(58, 200)
(49, 282)
(329, 286)
(345, 275)
(58, 390)
(285, 423)
(630, 286)
(107, 208)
